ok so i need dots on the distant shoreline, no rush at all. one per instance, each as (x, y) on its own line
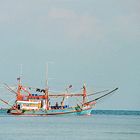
(116, 112)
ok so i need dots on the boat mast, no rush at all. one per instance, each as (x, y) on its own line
(19, 96)
(46, 89)
(84, 94)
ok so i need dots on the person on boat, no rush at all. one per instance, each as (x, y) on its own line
(56, 105)
(49, 105)
(62, 105)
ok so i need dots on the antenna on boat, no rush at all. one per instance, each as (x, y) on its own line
(20, 75)
(20, 71)
(47, 88)
(47, 71)
(47, 75)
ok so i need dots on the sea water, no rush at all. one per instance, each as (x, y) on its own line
(98, 126)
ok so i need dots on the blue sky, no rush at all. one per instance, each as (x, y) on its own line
(90, 41)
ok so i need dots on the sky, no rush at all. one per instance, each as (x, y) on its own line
(83, 41)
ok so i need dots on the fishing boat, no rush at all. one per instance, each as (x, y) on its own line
(39, 103)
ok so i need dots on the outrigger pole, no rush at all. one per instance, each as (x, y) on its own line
(5, 102)
(97, 92)
(9, 105)
(102, 96)
(10, 89)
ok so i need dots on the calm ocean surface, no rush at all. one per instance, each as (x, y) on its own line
(102, 125)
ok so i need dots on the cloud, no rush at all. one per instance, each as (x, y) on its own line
(75, 26)
(57, 13)
(126, 26)
(129, 23)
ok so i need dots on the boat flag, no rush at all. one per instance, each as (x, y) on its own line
(18, 78)
(70, 86)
